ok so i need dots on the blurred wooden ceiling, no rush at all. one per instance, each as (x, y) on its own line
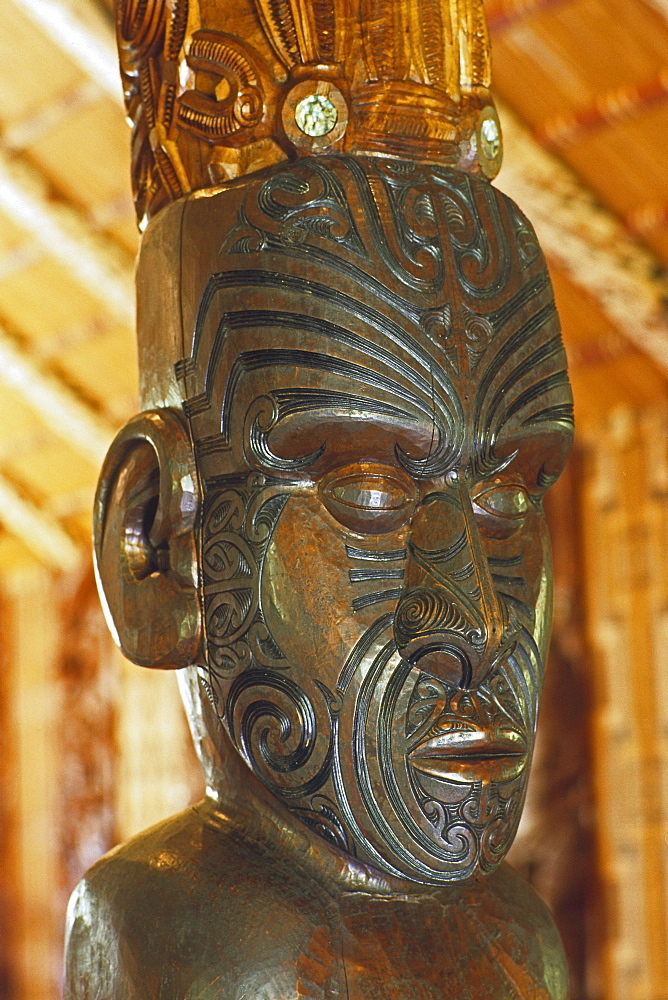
(583, 89)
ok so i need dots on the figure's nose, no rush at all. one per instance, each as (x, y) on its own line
(450, 620)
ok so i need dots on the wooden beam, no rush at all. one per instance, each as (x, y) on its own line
(504, 13)
(95, 262)
(609, 107)
(19, 258)
(587, 241)
(39, 122)
(40, 532)
(63, 412)
(660, 6)
(647, 218)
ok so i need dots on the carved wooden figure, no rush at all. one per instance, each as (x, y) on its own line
(329, 513)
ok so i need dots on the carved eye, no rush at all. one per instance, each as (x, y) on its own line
(369, 498)
(501, 509)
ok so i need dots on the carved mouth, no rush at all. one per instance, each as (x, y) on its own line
(471, 754)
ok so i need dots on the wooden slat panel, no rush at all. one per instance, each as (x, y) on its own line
(158, 773)
(658, 241)
(50, 469)
(107, 367)
(87, 684)
(34, 644)
(22, 430)
(9, 895)
(625, 162)
(604, 366)
(556, 843)
(626, 528)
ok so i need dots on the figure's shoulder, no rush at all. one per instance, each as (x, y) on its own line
(124, 890)
(490, 938)
(194, 910)
(182, 907)
(511, 898)
(505, 910)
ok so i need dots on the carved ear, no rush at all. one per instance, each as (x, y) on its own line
(145, 548)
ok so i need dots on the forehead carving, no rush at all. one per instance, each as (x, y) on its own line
(416, 295)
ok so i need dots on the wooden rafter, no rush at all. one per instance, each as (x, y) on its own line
(69, 418)
(661, 6)
(39, 531)
(88, 43)
(647, 218)
(590, 244)
(503, 14)
(95, 263)
(36, 125)
(609, 107)
(59, 406)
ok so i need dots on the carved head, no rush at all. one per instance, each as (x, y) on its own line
(370, 367)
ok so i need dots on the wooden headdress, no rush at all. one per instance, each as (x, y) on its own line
(218, 90)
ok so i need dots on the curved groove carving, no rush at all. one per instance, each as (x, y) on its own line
(208, 105)
(213, 57)
(455, 332)
(279, 23)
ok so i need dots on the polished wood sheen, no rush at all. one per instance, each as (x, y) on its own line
(211, 87)
(330, 516)
(237, 901)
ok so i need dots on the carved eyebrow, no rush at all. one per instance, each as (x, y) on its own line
(541, 355)
(534, 392)
(560, 413)
(360, 311)
(530, 290)
(531, 328)
(503, 392)
(443, 409)
(328, 330)
(251, 278)
(444, 405)
(314, 361)
(301, 399)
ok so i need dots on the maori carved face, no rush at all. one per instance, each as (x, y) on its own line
(378, 396)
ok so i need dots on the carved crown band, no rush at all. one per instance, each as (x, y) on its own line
(217, 89)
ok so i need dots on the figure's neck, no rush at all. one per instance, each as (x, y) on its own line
(238, 802)
(243, 806)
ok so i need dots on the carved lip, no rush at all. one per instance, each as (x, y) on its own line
(471, 754)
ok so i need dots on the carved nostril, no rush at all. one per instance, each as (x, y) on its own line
(434, 634)
(423, 612)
